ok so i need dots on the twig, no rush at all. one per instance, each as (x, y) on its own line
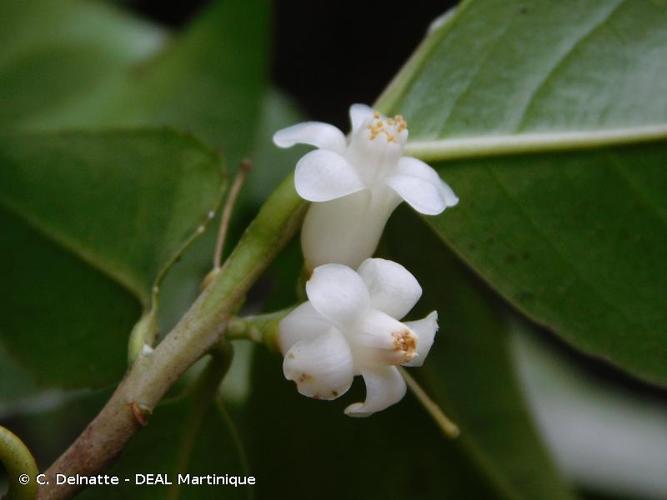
(151, 376)
(226, 216)
(261, 328)
(20, 466)
(450, 429)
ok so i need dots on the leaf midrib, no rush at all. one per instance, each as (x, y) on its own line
(481, 146)
(94, 260)
(90, 258)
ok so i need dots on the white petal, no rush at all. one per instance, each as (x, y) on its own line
(346, 230)
(338, 293)
(425, 329)
(324, 175)
(384, 387)
(379, 339)
(421, 186)
(358, 115)
(302, 323)
(393, 289)
(321, 367)
(321, 135)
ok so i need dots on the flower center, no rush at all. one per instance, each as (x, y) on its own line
(405, 344)
(391, 128)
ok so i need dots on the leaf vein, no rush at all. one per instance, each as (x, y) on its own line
(536, 228)
(559, 63)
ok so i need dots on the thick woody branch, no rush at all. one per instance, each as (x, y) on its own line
(201, 327)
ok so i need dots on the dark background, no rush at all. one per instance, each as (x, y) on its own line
(328, 55)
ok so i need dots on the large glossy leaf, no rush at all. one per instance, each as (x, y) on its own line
(549, 121)
(90, 222)
(469, 370)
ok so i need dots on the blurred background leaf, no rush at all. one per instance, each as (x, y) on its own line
(469, 370)
(606, 437)
(209, 80)
(65, 57)
(90, 220)
(318, 450)
(575, 240)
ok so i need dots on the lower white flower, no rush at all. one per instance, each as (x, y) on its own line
(355, 183)
(349, 326)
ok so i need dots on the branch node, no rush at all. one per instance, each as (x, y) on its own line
(141, 413)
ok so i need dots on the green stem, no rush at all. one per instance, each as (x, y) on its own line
(201, 328)
(449, 428)
(262, 328)
(20, 464)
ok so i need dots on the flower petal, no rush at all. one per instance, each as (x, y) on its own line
(384, 387)
(318, 134)
(358, 115)
(425, 329)
(324, 175)
(320, 367)
(337, 293)
(421, 186)
(345, 230)
(379, 339)
(302, 323)
(393, 289)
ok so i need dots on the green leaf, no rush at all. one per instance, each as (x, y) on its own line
(209, 81)
(91, 222)
(609, 437)
(105, 68)
(270, 164)
(548, 120)
(15, 383)
(61, 57)
(320, 452)
(469, 370)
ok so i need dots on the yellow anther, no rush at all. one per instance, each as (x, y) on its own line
(390, 127)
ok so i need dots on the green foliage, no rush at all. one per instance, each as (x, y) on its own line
(575, 239)
(91, 220)
(63, 58)
(117, 207)
(547, 119)
(469, 370)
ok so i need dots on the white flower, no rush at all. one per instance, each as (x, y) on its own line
(356, 183)
(350, 327)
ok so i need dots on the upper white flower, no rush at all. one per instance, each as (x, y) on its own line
(349, 326)
(356, 183)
